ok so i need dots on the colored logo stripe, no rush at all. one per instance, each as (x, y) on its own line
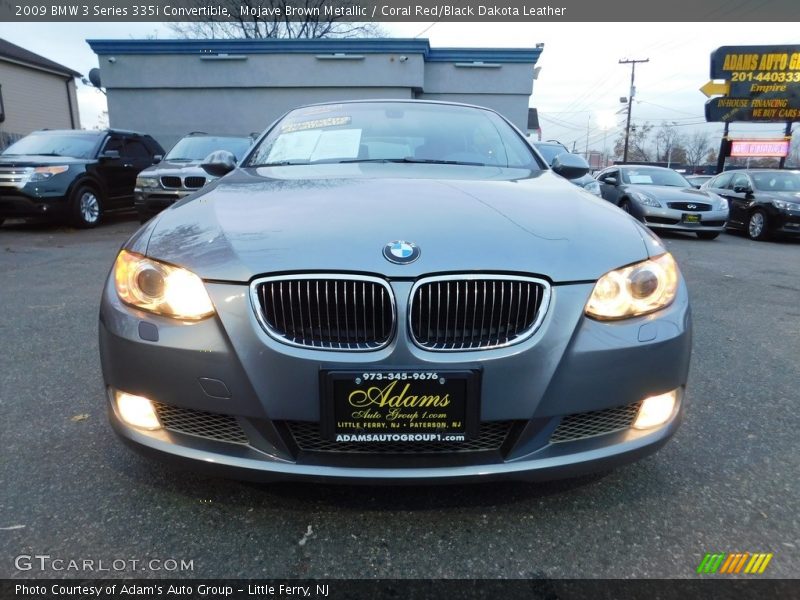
(721, 562)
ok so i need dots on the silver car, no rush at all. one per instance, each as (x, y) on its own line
(662, 199)
(398, 291)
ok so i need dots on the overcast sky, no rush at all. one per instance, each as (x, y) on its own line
(579, 85)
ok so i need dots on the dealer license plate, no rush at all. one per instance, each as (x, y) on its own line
(400, 406)
(691, 218)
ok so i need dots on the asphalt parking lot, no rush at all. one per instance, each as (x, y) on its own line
(728, 481)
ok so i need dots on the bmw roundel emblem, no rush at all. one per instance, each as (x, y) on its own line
(401, 252)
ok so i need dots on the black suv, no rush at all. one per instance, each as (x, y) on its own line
(73, 174)
(179, 173)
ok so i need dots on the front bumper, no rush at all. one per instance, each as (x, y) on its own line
(151, 201)
(571, 365)
(16, 203)
(674, 219)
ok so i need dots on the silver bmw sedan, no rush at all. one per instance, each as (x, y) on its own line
(399, 291)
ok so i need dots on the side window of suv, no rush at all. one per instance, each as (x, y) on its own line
(114, 143)
(136, 149)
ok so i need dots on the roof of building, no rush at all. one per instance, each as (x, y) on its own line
(14, 53)
(317, 46)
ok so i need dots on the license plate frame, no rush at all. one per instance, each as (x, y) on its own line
(395, 389)
(693, 218)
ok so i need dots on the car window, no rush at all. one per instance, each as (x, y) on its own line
(197, 147)
(54, 144)
(136, 149)
(721, 181)
(114, 143)
(740, 179)
(395, 131)
(769, 181)
(654, 176)
(550, 151)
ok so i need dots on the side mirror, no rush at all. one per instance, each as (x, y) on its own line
(219, 163)
(742, 189)
(110, 155)
(609, 180)
(696, 185)
(570, 166)
(157, 158)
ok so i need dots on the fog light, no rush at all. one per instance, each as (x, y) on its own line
(656, 410)
(137, 411)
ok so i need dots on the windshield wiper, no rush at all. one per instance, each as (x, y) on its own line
(410, 159)
(47, 154)
(283, 163)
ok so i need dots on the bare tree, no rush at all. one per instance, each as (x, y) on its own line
(698, 146)
(669, 142)
(260, 19)
(638, 143)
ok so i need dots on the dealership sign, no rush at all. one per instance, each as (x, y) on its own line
(779, 147)
(761, 83)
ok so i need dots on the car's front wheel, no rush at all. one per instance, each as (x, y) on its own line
(757, 226)
(708, 235)
(86, 207)
(626, 205)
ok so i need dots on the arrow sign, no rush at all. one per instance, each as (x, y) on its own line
(716, 89)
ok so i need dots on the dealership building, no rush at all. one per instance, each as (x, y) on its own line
(169, 88)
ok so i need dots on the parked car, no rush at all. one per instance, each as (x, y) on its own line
(763, 202)
(73, 174)
(179, 173)
(398, 291)
(662, 199)
(550, 150)
(698, 180)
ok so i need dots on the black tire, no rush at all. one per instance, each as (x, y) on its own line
(708, 235)
(758, 226)
(626, 206)
(86, 207)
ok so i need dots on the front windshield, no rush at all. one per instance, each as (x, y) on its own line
(654, 176)
(46, 144)
(776, 182)
(198, 147)
(394, 132)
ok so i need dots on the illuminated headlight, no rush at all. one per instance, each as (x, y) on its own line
(636, 290)
(646, 199)
(656, 410)
(137, 411)
(593, 187)
(146, 182)
(160, 288)
(45, 173)
(783, 205)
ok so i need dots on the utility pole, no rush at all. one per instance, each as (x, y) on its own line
(632, 63)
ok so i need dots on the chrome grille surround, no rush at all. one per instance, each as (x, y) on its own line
(579, 426)
(171, 182)
(501, 335)
(200, 423)
(15, 176)
(194, 182)
(314, 336)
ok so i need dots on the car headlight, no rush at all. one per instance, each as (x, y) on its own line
(646, 199)
(146, 182)
(45, 173)
(636, 290)
(783, 205)
(593, 187)
(160, 288)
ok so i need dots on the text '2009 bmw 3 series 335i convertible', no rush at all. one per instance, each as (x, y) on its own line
(396, 291)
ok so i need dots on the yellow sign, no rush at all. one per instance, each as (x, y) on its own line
(712, 88)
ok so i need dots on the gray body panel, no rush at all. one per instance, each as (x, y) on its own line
(256, 221)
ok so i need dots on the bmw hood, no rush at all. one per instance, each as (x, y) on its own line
(340, 217)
